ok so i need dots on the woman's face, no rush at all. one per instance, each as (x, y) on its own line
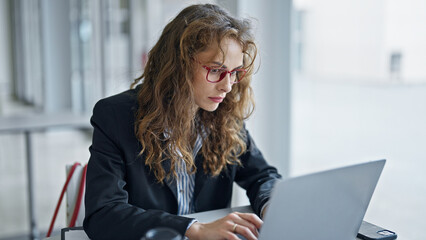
(209, 95)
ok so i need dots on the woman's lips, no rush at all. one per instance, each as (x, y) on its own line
(216, 99)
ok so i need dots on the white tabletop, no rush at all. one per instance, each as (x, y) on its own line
(33, 122)
(210, 216)
(204, 217)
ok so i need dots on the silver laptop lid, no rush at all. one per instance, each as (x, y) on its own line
(322, 206)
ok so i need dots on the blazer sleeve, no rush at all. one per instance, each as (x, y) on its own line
(256, 176)
(108, 213)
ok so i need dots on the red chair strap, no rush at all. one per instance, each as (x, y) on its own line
(79, 198)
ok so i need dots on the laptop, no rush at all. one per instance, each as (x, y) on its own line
(327, 205)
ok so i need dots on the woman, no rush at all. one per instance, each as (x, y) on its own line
(175, 143)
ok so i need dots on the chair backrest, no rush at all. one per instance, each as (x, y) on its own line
(75, 195)
(74, 188)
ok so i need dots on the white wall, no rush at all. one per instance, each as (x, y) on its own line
(339, 36)
(270, 124)
(406, 32)
(353, 40)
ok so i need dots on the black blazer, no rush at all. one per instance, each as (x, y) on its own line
(123, 199)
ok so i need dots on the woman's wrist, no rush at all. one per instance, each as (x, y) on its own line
(193, 231)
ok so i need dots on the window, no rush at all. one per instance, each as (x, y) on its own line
(359, 94)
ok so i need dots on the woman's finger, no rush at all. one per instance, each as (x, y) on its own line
(252, 218)
(237, 219)
(244, 231)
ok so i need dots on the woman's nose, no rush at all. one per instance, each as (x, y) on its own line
(226, 84)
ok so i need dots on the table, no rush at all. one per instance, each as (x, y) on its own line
(203, 217)
(28, 124)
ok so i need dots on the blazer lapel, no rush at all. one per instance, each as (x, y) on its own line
(200, 176)
(170, 182)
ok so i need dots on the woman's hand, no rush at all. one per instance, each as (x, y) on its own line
(245, 224)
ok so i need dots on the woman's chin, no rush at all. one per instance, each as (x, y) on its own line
(210, 107)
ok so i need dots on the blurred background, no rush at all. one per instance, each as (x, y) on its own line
(340, 82)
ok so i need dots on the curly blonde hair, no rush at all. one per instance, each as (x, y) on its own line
(167, 124)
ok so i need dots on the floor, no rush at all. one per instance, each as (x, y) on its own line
(52, 150)
(333, 124)
(336, 124)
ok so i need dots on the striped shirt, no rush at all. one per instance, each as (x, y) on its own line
(186, 182)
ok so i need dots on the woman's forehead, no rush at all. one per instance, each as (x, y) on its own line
(215, 52)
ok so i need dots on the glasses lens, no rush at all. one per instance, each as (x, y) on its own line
(240, 75)
(216, 74)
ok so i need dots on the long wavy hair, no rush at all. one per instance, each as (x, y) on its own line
(167, 123)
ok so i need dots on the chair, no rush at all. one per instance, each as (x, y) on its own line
(74, 188)
(75, 196)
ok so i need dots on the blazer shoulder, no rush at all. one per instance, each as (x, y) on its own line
(123, 101)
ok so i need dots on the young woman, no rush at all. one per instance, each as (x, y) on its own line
(175, 143)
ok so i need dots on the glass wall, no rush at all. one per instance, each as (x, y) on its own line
(28, 64)
(61, 56)
(359, 94)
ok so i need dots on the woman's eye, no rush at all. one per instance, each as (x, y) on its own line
(217, 70)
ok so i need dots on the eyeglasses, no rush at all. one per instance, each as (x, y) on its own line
(215, 75)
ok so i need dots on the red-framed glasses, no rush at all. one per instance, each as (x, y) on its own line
(217, 74)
